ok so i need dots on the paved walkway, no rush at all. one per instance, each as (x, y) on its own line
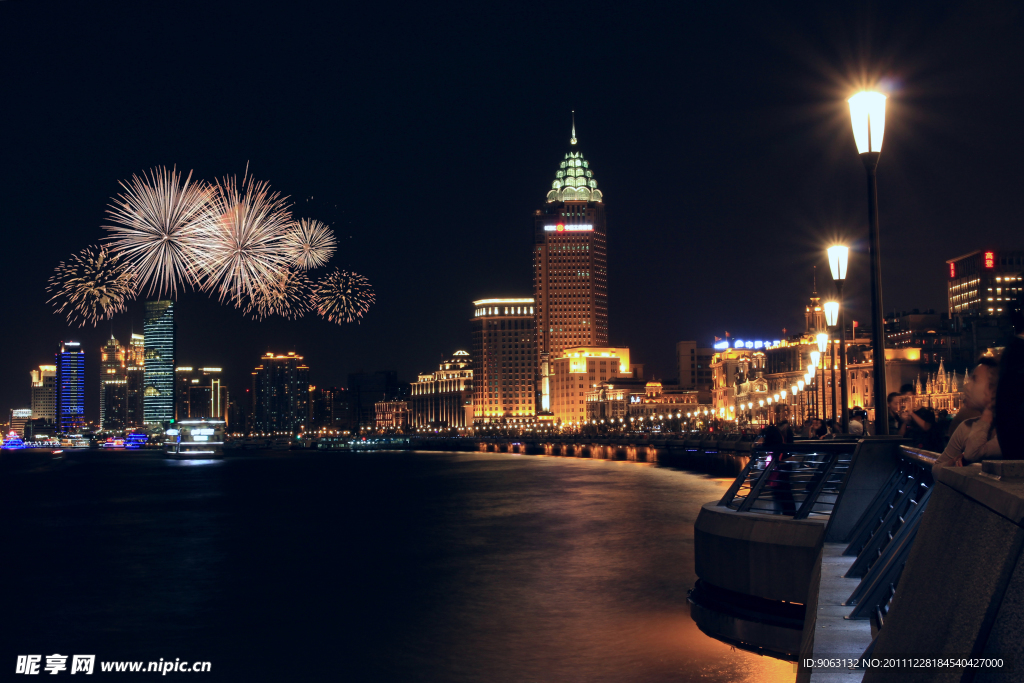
(834, 636)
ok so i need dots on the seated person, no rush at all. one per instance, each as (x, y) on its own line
(975, 439)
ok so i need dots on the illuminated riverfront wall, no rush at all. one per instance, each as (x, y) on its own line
(504, 359)
(159, 332)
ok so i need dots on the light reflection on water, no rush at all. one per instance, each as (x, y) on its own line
(371, 566)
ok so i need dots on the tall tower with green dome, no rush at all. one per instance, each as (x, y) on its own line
(570, 267)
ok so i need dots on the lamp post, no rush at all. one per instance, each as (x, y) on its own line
(867, 112)
(838, 258)
(831, 315)
(822, 348)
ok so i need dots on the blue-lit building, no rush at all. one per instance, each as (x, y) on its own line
(158, 330)
(70, 388)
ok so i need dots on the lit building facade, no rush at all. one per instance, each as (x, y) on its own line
(984, 283)
(19, 416)
(44, 393)
(115, 401)
(504, 359)
(280, 389)
(578, 371)
(159, 339)
(444, 398)
(200, 393)
(135, 376)
(392, 415)
(570, 267)
(693, 365)
(112, 369)
(69, 388)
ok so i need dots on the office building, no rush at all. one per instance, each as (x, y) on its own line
(280, 389)
(135, 376)
(112, 368)
(44, 393)
(570, 266)
(504, 359)
(331, 409)
(693, 365)
(982, 287)
(580, 370)
(444, 398)
(115, 401)
(70, 388)
(19, 416)
(159, 341)
(199, 393)
(365, 390)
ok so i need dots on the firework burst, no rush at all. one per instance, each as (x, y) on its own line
(156, 223)
(243, 249)
(309, 243)
(287, 295)
(342, 297)
(93, 285)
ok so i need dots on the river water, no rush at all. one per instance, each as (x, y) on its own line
(380, 566)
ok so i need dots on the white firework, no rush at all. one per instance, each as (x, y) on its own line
(156, 228)
(242, 238)
(310, 243)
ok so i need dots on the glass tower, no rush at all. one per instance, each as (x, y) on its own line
(70, 387)
(158, 333)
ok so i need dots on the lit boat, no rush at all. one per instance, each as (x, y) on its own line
(195, 440)
(111, 442)
(135, 440)
(13, 441)
(74, 441)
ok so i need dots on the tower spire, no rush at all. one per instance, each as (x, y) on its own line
(814, 286)
(572, 140)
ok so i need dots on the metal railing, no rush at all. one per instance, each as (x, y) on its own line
(883, 536)
(803, 480)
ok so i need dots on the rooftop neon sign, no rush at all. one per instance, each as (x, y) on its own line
(572, 227)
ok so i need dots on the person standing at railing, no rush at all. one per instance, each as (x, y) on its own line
(975, 439)
(1009, 417)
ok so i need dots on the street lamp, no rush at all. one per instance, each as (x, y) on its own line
(831, 315)
(838, 258)
(867, 113)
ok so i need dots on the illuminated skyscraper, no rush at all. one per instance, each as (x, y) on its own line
(158, 330)
(199, 393)
(281, 394)
(504, 359)
(70, 387)
(570, 265)
(112, 369)
(135, 376)
(44, 393)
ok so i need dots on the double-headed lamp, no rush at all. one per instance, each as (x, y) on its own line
(838, 258)
(831, 314)
(867, 113)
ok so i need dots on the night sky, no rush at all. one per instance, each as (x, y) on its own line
(427, 135)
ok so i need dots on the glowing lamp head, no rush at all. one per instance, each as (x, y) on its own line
(831, 315)
(816, 357)
(867, 112)
(838, 257)
(822, 340)
(799, 387)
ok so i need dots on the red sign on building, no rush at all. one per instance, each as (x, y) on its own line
(952, 270)
(990, 259)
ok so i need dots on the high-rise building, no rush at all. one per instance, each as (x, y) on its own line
(135, 376)
(70, 387)
(504, 359)
(115, 401)
(570, 265)
(982, 287)
(694, 367)
(44, 393)
(365, 390)
(440, 399)
(158, 330)
(112, 368)
(199, 393)
(281, 392)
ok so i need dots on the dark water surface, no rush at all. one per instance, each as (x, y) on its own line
(364, 567)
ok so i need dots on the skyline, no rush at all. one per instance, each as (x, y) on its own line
(410, 173)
